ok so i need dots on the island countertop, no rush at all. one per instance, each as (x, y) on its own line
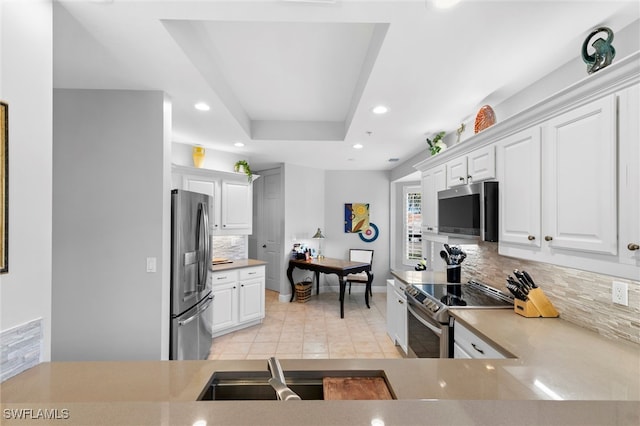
(597, 379)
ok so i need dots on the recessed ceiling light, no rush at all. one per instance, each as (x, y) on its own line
(238, 144)
(358, 146)
(380, 109)
(445, 4)
(201, 106)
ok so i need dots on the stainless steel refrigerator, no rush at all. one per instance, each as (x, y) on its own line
(191, 297)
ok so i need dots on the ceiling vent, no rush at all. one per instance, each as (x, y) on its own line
(312, 1)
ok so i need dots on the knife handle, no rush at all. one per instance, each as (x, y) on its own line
(528, 277)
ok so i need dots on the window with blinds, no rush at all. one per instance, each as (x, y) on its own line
(412, 223)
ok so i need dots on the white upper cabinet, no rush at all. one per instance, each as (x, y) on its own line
(237, 205)
(457, 172)
(579, 181)
(210, 187)
(629, 163)
(433, 180)
(568, 169)
(231, 209)
(519, 177)
(477, 166)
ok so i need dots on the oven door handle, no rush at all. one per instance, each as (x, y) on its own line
(431, 327)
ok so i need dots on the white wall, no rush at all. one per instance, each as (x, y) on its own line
(110, 212)
(26, 62)
(626, 41)
(304, 200)
(182, 154)
(371, 187)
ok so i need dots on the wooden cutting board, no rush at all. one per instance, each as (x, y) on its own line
(355, 388)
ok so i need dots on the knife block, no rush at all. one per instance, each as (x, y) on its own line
(537, 306)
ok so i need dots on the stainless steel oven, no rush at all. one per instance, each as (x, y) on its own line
(427, 338)
(428, 319)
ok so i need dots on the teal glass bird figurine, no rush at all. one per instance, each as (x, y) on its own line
(604, 51)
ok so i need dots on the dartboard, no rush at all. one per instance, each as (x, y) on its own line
(370, 234)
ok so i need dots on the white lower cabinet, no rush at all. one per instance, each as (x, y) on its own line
(238, 299)
(397, 315)
(468, 345)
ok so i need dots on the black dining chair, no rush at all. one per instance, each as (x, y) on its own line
(359, 255)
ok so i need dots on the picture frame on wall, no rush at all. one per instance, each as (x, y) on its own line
(4, 187)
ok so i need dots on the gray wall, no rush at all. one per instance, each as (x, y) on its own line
(110, 186)
(358, 187)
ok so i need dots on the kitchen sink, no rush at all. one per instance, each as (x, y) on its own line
(254, 385)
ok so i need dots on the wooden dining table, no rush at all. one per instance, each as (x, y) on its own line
(327, 265)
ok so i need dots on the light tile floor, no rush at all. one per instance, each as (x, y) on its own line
(313, 330)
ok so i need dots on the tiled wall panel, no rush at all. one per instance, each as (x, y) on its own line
(20, 348)
(583, 298)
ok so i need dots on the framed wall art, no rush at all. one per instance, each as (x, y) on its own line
(4, 187)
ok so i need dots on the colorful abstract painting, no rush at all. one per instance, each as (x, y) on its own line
(356, 217)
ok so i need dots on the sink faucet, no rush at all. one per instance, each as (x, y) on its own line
(278, 382)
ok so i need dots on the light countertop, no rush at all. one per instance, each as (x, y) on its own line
(237, 264)
(598, 379)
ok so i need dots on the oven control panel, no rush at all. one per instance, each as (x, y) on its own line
(426, 301)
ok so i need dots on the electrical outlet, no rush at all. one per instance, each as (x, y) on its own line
(620, 293)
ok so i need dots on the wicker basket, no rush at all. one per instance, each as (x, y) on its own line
(303, 291)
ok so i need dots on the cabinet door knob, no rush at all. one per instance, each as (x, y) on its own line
(461, 179)
(264, 246)
(633, 246)
(548, 238)
(531, 238)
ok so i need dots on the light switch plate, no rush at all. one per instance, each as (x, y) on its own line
(151, 264)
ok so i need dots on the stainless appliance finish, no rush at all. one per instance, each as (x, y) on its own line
(469, 211)
(429, 327)
(190, 335)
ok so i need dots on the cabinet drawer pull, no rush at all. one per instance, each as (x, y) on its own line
(221, 278)
(633, 246)
(531, 238)
(548, 238)
(477, 349)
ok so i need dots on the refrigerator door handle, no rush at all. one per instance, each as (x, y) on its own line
(202, 245)
(207, 246)
(198, 312)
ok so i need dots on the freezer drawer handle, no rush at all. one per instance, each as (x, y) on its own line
(201, 310)
(477, 349)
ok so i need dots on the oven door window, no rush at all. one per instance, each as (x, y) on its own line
(424, 342)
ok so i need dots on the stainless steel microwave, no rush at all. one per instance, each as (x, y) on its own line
(469, 211)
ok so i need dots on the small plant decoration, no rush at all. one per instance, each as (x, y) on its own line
(242, 164)
(436, 145)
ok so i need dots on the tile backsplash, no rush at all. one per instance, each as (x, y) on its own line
(20, 348)
(583, 298)
(232, 247)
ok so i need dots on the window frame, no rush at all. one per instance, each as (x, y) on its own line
(406, 190)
